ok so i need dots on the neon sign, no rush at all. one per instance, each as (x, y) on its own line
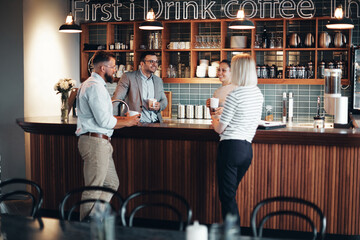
(93, 10)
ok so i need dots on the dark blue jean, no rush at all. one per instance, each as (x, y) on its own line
(233, 160)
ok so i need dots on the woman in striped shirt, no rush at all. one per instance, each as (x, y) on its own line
(237, 127)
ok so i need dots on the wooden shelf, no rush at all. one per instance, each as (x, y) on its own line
(267, 49)
(223, 51)
(191, 80)
(237, 49)
(177, 50)
(312, 81)
(300, 49)
(125, 50)
(144, 50)
(206, 49)
(332, 49)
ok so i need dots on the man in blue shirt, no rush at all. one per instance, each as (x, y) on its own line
(95, 126)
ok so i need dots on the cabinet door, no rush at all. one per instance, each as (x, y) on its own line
(121, 44)
(176, 51)
(93, 38)
(268, 47)
(207, 50)
(333, 49)
(300, 50)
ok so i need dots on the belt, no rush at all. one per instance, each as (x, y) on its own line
(99, 135)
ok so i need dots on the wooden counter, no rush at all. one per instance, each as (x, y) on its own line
(321, 166)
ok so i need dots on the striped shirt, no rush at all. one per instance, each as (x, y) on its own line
(242, 113)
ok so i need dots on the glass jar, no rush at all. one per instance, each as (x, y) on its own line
(264, 72)
(258, 71)
(321, 69)
(269, 116)
(319, 122)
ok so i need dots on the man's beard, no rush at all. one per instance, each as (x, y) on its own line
(109, 78)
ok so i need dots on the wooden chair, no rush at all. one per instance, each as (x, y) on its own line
(282, 200)
(77, 204)
(18, 201)
(158, 199)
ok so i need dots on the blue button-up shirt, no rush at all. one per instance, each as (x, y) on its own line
(147, 93)
(94, 107)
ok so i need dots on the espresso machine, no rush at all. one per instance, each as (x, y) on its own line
(334, 103)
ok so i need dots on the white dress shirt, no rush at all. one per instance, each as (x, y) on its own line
(148, 92)
(94, 107)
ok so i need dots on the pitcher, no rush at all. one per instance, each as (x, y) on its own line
(324, 40)
(339, 40)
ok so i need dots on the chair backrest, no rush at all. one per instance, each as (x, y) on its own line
(77, 204)
(151, 199)
(36, 200)
(316, 234)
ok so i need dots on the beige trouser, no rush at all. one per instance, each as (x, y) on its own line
(99, 169)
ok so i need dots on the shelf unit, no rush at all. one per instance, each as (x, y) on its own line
(186, 30)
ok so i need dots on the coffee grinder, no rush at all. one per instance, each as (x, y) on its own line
(334, 103)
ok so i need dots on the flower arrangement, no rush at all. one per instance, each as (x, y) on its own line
(64, 85)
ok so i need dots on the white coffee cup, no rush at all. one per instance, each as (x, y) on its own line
(201, 71)
(215, 64)
(212, 71)
(152, 102)
(187, 45)
(204, 62)
(214, 103)
(182, 45)
(133, 113)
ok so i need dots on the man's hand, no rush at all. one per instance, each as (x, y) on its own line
(127, 121)
(156, 107)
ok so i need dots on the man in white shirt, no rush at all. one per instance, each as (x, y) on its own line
(95, 126)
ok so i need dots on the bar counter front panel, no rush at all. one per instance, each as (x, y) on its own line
(321, 166)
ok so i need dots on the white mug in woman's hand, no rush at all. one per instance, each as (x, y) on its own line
(214, 103)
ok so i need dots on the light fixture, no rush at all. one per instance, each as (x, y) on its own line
(150, 23)
(241, 22)
(70, 26)
(340, 22)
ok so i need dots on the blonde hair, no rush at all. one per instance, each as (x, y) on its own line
(243, 70)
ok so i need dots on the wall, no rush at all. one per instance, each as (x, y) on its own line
(11, 90)
(48, 55)
(34, 57)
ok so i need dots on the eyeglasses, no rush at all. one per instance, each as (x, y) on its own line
(152, 61)
(113, 67)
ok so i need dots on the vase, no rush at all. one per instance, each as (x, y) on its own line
(64, 107)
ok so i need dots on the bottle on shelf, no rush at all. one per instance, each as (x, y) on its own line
(265, 38)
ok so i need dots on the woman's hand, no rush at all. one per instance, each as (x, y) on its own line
(218, 111)
(208, 102)
(218, 126)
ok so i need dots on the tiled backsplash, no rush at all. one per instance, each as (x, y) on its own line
(305, 97)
